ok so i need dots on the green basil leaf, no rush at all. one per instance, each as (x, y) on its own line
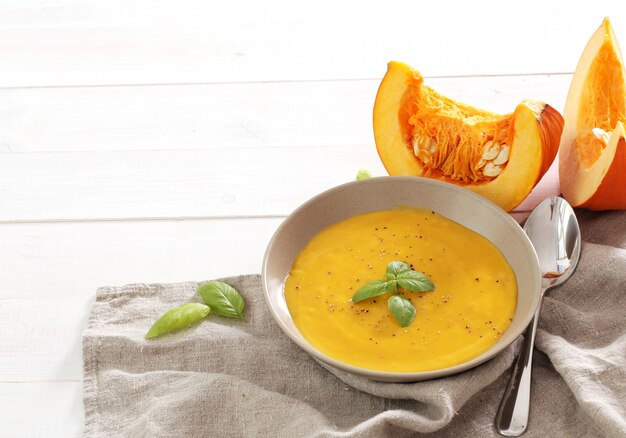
(177, 318)
(370, 290)
(392, 286)
(395, 268)
(401, 309)
(414, 281)
(364, 174)
(224, 299)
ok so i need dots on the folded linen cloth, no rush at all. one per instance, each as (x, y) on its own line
(230, 378)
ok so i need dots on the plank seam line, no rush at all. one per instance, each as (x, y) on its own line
(158, 219)
(42, 381)
(187, 149)
(141, 219)
(273, 81)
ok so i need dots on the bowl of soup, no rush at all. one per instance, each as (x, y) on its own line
(401, 279)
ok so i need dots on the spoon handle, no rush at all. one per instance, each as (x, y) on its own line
(512, 417)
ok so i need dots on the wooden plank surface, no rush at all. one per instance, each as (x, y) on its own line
(242, 115)
(41, 409)
(41, 338)
(144, 42)
(70, 260)
(177, 184)
(173, 184)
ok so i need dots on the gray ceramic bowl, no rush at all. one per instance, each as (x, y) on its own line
(455, 203)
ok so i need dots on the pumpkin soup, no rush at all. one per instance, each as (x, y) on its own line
(472, 303)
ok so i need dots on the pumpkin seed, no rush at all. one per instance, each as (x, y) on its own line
(416, 146)
(601, 134)
(490, 151)
(503, 155)
(492, 169)
(425, 157)
(432, 148)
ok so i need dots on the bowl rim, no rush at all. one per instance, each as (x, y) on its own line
(406, 376)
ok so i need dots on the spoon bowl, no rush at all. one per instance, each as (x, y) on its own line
(553, 230)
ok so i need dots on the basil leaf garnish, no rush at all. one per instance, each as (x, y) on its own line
(392, 286)
(399, 274)
(396, 268)
(370, 290)
(224, 299)
(177, 318)
(402, 309)
(414, 281)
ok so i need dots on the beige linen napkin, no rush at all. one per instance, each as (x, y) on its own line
(229, 378)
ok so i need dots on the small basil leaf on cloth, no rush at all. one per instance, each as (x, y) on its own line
(395, 268)
(224, 299)
(370, 290)
(414, 281)
(177, 318)
(402, 310)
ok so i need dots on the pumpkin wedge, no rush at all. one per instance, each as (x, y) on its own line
(592, 163)
(419, 132)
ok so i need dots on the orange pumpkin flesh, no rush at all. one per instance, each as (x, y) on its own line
(421, 133)
(592, 166)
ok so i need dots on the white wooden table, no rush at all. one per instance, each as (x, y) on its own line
(165, 141)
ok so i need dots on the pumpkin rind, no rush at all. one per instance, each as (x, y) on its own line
(602, 184)
(609, 195)
(536, 127)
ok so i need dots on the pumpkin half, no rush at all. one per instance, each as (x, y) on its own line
(592, 166)
(419, 132)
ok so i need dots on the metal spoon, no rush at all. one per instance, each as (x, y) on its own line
(553, 230)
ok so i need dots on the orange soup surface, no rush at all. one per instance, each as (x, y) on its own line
(472, 305)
